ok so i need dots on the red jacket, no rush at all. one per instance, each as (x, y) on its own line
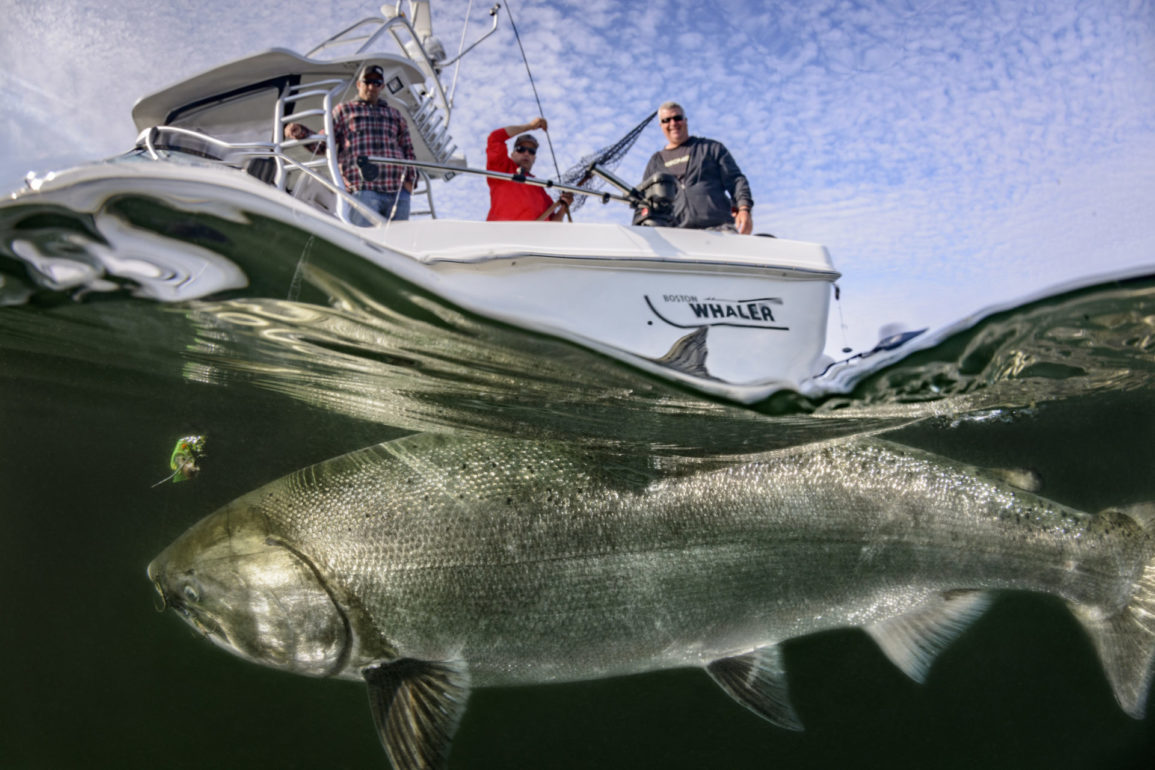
(511, 200)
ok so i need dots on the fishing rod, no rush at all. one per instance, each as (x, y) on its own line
(630, 195)
(540, 109)
(532, 85)
(653, 205)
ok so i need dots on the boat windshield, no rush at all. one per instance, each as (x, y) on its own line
(237, 118)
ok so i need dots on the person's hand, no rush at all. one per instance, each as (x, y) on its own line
(296, 131)
(538, 122)
(299, 131)
(744, 222)
(566, 198)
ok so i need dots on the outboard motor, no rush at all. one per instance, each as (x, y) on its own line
(655, 208)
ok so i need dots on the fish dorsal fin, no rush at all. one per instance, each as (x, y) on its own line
(417, 706)
(757, 680)
(912, 641)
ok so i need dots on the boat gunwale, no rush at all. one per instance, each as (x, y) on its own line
(788, 272)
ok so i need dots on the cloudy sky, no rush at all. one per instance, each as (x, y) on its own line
(951, 155)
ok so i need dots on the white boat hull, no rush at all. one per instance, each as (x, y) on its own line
(687, 315)
(735, 316)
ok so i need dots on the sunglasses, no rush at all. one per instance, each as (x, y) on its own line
(373, 82)
(525, 148)
(674, 118)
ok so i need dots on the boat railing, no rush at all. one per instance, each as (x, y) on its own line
(429, 110)
(345, 202)
(432, 110)
(338, 189)
(188, 140)
(365, 40)
(316, 99)
(241, 155)
(322, 93)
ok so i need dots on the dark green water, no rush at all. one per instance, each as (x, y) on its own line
(320, 357)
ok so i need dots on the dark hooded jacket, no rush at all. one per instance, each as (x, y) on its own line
(713, 184)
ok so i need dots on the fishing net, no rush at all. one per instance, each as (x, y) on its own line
(579, 174)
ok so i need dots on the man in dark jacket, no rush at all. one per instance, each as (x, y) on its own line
(710, 184)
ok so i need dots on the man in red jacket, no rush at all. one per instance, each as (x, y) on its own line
(516, 200)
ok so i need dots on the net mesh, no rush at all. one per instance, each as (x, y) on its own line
(579, 174)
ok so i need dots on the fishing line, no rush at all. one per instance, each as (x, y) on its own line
(540, 111)
(298, 274)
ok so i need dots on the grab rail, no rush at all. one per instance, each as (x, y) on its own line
(326, 91)
(429, 64)
(151, 134)
(249, 150)
(425, 63)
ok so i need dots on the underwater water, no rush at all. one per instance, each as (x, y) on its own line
(319, 354)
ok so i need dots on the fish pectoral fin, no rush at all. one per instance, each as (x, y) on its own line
(417, 706)
(912, 641)
(757, 680)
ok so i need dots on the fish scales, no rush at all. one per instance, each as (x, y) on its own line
(513, 552)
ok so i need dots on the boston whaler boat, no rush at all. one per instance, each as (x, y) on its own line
(734, 316)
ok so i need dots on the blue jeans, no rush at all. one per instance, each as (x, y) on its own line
(382, 203)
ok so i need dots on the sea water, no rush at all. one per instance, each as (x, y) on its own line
(320, 354)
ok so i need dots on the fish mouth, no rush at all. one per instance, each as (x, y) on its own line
(206, 627)
(155, 578)
(202, 624)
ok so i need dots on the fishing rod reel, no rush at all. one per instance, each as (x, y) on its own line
(652, 201)
(653, 204)
(369, 169)
(656, 208)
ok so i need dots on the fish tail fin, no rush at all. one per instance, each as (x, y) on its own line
(1125, 641)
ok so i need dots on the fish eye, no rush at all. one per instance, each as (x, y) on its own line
(191, 593)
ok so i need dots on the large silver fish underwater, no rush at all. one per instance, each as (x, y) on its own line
(430, 565)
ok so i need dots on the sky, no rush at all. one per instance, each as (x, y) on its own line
(951, 155)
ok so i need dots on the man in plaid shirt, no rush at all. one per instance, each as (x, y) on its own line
(369, 126)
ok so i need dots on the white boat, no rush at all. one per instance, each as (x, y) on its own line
(735, 316)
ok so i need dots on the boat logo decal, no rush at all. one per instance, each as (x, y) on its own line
(687, 311)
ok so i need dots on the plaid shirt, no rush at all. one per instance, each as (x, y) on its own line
(361, 128)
